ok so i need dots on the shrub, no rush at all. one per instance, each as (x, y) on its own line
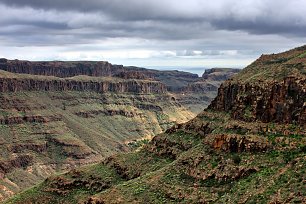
(236, 159)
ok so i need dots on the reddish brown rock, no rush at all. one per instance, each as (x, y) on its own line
(17, 148)
(239, 143)
(62, 186)
(282, 102)
(134, 75)
(20, 161)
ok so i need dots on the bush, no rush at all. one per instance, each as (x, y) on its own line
(236, 159)
(303, 148)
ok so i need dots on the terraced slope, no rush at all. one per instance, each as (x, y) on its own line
(220, 156)
(50, 124)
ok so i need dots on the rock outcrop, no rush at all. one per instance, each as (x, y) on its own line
(90, 68)
(210, 80)
(134, 86)
(37, 147)
(238, 143)
(271, 102)
(275, 94)
(174, 80)
(219, 74)
(61, 69)
(20, 161)
(11, 120)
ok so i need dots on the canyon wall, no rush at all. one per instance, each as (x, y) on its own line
(271, 102)
(23, 84)
(271, 89)
(60, 69)
(65, 69)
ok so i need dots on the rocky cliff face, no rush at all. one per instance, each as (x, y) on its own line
(282, 102)
(23, 84)
(90, 68)
(50, 124)
(278, 95)
(210, 80)
(174, 80)
(61, 69)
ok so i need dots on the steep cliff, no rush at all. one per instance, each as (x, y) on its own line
(174, 80)
(220, 156)
(92, 68)
(272, 89)
(61, 69)
(193, 92)
(100, 85)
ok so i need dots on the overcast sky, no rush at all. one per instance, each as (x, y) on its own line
(171, 33)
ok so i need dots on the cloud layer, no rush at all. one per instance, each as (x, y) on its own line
(127, 30)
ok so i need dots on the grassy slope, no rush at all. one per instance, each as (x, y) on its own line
(96, 137)
(275, 66)
(191, 170)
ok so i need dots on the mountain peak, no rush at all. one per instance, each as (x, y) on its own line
(276, 67)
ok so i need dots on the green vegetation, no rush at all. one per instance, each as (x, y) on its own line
(137, 144)
(197, 172)
(303, 55)
(67, 138)
(248, 113)
(275, 67)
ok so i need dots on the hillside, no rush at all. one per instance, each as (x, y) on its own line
(230, 153)
(275, 67)
(271, 89)
(50, 124)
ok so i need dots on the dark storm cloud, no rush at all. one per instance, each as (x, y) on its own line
(262, 26)
(154, 29)
(255, 16)
(79, 5)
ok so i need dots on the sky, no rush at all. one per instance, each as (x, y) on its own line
(166, 34)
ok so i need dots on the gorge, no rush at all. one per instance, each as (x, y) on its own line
(55, 116)
(248, 146)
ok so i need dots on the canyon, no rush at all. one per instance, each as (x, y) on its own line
(247, 146)
(56, 116)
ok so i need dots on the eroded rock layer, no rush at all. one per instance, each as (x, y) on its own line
(271, 102)
(20, 84)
